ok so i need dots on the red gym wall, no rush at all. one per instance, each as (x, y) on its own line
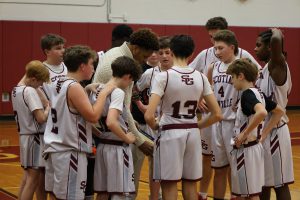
(20, 43)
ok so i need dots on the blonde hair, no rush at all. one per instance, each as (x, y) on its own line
(36, 69)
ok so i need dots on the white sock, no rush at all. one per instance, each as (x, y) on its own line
(203, 195)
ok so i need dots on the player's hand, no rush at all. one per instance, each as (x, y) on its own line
(108, 88)
(262, 138)
(91, 87)
(130, 138)
(146, 148)
(239, 140)
(202, 106)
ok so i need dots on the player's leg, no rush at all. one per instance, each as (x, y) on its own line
(40, 190)
(169, 190)
(154, 185)
(283, 192)
(265, 194)
(102, 196)
(22, 184)
(189, 190)
(31, 183)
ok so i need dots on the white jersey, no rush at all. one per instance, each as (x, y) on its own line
(278, 94)
(25, 100)
(242, 120)
(66, 129)
(224, 91)
(54, 73)
(208, 56)
(146, 80)
(180, 90)
(114, 100)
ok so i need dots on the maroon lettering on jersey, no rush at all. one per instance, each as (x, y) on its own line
(186, 78)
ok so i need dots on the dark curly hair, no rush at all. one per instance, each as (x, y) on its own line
(124, 65)
(216, 23)
(144, 38)
(182, 46)
(74, 56)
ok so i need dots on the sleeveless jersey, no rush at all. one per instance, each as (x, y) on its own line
(208, 56)
(183, 87)
(278, 94)
(224, 91)
(23, 111)
(54, 76)
(242, 120)
(66, 129)
(114, 100)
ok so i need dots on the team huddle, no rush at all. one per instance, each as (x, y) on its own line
(221, 112)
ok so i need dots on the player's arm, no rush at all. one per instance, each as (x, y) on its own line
(277, 62)
(158, 90)
(78, 99)
(113, 124)
(41, 115)
(210, 73)
(277, 113)
(150, 112)
(212, 104)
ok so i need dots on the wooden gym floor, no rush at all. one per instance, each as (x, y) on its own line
(11, 172)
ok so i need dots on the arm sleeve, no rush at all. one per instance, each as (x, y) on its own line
(117, 99)
(159, 84)
(32, 99)
(248, 101)
(270, 105)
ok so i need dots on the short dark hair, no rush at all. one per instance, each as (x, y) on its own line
(74, 56)
(164, 42)
(50, 40)
(216, 23)
(229, 38)
(266, 37)
(182, 46)
(145, 39)
(245, 66)
(121, 31)
(124, 65)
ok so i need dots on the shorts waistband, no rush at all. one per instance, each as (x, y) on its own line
(113, 142)
(249, 144)
(179, 126)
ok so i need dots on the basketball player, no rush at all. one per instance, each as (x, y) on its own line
(201, 63)
(30, 115)
(68, 130)
(247, 169)
(226, 47)
(52, 46)
(113, 174)
(275, 82)
(177, 150)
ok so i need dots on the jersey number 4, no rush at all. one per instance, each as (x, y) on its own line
(191, 111)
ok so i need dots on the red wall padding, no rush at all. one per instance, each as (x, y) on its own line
(20, 43)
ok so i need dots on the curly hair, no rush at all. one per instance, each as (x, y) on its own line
(216, 23)
(124, 65)
(144, 38)
(74, 56)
